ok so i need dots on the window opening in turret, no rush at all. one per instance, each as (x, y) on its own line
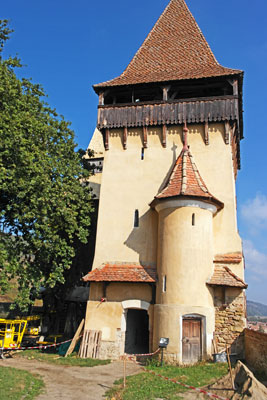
(193, 219)
(164, 285)
(136, 219)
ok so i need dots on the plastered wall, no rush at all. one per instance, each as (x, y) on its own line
(129, 183)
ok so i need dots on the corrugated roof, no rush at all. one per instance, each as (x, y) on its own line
(122, 272)
(175, 49)
(223, 276)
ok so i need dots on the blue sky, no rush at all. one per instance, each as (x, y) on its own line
(67, 46)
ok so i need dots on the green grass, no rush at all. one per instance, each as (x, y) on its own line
(146, 386)
(73, 360)
(16, 384)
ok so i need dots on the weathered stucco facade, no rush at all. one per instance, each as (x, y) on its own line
(169, 208)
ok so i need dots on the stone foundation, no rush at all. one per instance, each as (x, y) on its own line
(230, 319)
(112, 350)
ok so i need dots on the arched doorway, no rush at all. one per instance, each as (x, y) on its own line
(137, 333)
(136, 326)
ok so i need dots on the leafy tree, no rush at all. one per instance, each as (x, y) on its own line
(44, 198)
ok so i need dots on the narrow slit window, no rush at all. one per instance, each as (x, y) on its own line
(193, 219)
(136, 218)
(142, 153)
(164, 284)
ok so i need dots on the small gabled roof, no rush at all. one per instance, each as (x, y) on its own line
(185, 181)
(223, 276)
(122, 272)
(175, 49)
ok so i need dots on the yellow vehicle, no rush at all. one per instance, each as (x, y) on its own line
(33, 327)
(11, 332)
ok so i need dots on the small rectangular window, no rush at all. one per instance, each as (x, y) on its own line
(136, 219)
(164, 284)
(193, 219)
(142, 153)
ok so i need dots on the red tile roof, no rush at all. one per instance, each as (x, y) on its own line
(122, 272)
(185, 180)
(175, 49)
(223, 276)
(229, 258)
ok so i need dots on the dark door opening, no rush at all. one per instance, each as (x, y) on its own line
(192, 346)
(137, 333)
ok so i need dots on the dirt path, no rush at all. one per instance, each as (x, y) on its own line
(72, 383)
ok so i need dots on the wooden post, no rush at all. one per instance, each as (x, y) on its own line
(230, 368)
(124, 371)
(125, 134)
(164, 134)
(206, 133)
(145, 136)
(107, 139)
(226, 132)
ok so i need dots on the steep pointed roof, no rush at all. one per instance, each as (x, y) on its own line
(175, 49)
(186, 181)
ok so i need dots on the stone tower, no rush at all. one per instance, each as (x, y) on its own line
(168, 256)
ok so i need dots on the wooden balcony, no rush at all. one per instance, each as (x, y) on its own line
(199, 110)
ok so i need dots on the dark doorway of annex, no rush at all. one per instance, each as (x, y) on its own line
(192, 346)
(137, 332)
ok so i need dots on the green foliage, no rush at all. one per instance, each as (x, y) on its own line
(17, 384)
(44, 199)
(71, 360)
(146, 386)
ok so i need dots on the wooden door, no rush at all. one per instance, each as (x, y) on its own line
(192, 347)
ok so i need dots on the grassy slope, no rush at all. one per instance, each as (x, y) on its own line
(16, 384)
(146, 386)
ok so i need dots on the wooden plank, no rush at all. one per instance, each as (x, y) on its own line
(75, 339)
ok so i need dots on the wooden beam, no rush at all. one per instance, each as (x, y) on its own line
(234, 84)
(226, 132)
(145, 136)
(125, 134)
(107, 139)
(165, 90)
(206, 133)
(164, 135)
(101, 99)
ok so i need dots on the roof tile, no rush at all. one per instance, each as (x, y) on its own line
(223, 276)
(122, 272)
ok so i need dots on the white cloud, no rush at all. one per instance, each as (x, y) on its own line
(256, 262)
(255, 212)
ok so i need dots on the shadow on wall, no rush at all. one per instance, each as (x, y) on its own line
(143, 238)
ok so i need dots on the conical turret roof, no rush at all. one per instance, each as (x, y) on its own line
(185, 181)
(175, 49)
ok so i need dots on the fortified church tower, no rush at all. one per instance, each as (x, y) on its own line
(168, 257)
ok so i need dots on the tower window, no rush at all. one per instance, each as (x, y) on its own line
(193, 219)
(164, 284)
(136, 218)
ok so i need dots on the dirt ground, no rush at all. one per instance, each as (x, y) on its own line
(72, 383)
